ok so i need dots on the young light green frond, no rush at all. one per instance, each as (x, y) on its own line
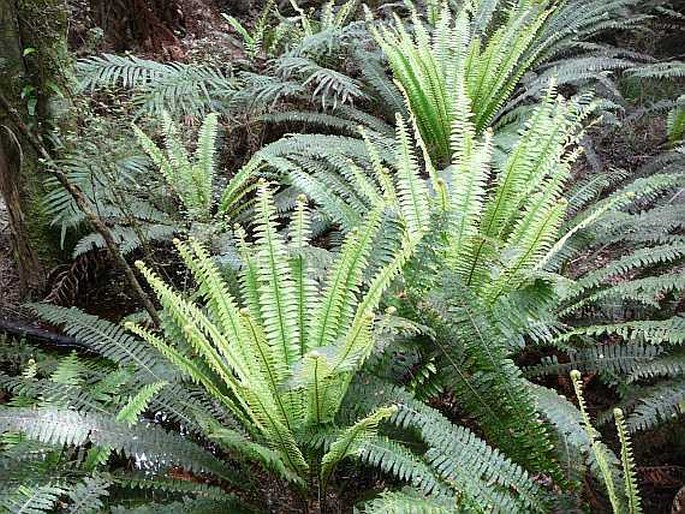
(137, 404)
(193, 371)
(277, 298)
(69, 371)
(249, 284)
(628, 463)
(223, 306)
(203, 167)
(468, 176)
(339, 297)
(157, 156)
(381, 172)
(235, 442)
(198, 330)
(277, 433)
(351, 440)
(191, 180)
(597, 449)
(301, 272)
(267, 386)
(532, 238)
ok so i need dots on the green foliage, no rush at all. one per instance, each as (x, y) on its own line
(159, 87)
(630, 502)
(191, 180)
(292, 348)
(628, 463)
(443, 197)
(255, 42)
(490, 55)
(454, 468)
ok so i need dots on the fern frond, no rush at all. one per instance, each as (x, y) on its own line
(136, 405)
(597, 449)
(72, 428)
(403, 503)
(351, 441)
(628, 463)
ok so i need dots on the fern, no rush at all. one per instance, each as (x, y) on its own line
(158, 87)
(278, 383)
(86, 496)
(32, 500)
(404, 503)
(453, 453)
(492, 54)
(133, 408)
(598, 451)
(629, 478)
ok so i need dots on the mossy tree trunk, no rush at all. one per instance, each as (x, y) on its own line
(34, 71)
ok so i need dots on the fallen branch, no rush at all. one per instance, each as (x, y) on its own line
(43, 337)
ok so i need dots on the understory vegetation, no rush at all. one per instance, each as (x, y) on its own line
(403, 257)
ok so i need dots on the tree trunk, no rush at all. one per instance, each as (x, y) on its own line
(29, 267)
(13, 155)
(34, 71)
(148, 24)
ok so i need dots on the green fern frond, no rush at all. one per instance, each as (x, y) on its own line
(158, 87)
(628, 463)
(659, 404)
(351, 441)
(403, 503)
(32, 499)
(139, 403)
(86, 496)
(598, 451)
(61, 427)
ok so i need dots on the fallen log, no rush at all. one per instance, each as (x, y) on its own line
(42, 337)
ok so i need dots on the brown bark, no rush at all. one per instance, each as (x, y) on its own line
(149, 24)
(12, 157)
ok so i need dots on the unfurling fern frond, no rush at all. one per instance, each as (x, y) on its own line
(628, 463)
(630, 500)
